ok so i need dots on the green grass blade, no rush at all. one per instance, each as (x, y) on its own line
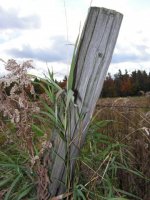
(14, 183)
(51, 79)
(37, 130)
(24, 192)
(5, 156)
(3, 182)
(14, 166)
(128, 194)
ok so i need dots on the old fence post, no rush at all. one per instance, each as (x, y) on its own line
(92, 60)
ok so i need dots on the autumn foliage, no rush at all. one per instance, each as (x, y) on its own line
(122, 85)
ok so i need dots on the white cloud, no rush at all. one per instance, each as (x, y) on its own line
(133, 44)
(55, 52)
(10, 19)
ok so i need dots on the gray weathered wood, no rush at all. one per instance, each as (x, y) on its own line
(94, 55)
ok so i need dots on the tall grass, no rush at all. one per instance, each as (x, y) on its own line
(17, 179)
(131, 126)
(116, 151)
(106, 159)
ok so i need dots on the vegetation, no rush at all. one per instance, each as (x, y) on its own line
(122, 85)
(130, 125)
(115, 154)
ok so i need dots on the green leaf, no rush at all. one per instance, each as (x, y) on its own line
(40, 118)
(128, 194)
(56, 123)
(14, 183)
(80, 194)
(50, 115)
(24, 192)
(5, 156)
(37, 130)
(49, 109)
(51, 79)
(3, 182)
(101, 124)
(14, 166)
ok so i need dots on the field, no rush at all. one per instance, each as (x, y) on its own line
(129, 124)
(113, 163)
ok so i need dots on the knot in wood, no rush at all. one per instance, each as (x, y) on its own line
(100, 55)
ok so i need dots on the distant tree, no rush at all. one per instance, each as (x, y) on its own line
(126, 87)
(109, 87)
(117, 80)
(126, 84)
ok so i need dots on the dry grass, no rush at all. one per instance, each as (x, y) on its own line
(130, 125)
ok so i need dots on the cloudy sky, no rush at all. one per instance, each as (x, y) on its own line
(42, 30)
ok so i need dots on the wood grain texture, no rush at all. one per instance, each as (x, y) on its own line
(93, 57)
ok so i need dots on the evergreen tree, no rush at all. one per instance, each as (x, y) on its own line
(126, 84)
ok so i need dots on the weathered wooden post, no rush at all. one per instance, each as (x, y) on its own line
(92, 60)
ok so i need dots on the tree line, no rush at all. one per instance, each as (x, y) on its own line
(118, 85)
(121, 85)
